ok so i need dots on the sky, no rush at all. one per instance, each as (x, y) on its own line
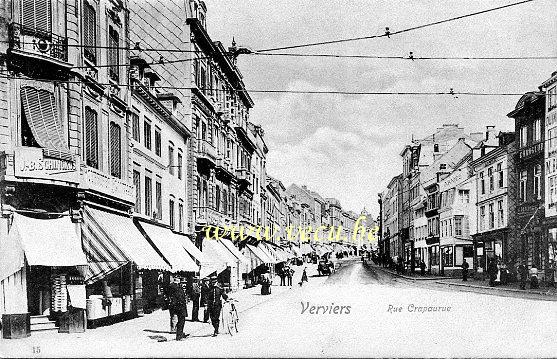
(348, 147)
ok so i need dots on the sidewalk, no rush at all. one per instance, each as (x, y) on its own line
(409, 276)
(510, 287)
(127, 336)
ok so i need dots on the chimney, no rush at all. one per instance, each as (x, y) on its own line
(489, 130)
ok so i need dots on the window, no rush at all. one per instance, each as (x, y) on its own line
(552, 134)
(158, 143)
(523, 178)
(448, 256)
(148, 196)
(158, 198)
(147, 134)
(500, 174)
(224, 201)
(458, 226)
(113, 54)
(171, 213)
(523, 136)
(443, 166)
(36, 15)
(435, 148)
(180, 165)
(500, 214)
(551, 98)
(552, 190)
(491, 179)
(217, 199)
(89, 32)
(115, 150)
(181, 217)
(537, 181)
(134, 119)
(537, 130)
(91, 138)
(171, 159)
(482, 218)
(491, 216)
(464, 195)
(137, 185)
(482, 183)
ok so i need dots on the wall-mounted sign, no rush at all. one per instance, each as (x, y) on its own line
(29, 162)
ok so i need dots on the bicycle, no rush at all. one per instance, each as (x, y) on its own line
(230, 316)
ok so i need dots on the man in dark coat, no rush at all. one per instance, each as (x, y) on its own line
(422, 267)
(492, 270)
(178, 306)
(465, 267)
(214, 303)
(203, 298)
(195, 296)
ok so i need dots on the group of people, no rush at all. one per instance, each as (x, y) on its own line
(208, 293)
(285, 274)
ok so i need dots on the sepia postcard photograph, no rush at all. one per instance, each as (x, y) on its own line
(278, 179)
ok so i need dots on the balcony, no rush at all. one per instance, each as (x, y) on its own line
(37, 45)
(224, 167)
(208, 216)
(96, 181)
(243, 175)
(531, 150)
(206, 152)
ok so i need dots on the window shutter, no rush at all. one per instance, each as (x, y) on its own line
(36, 15)
(91, 138)
(115, 151)
(89, 32)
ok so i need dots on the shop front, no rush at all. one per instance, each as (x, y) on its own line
(124, 277)
(42, 268)
(489, 246)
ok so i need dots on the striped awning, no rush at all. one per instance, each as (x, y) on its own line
(235, 251)
(260, 255)
(39, 107)
(111, 241)
(171, 248)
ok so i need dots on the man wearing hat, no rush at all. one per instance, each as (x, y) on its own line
(195, 296)
(178, 306)
(214, 303)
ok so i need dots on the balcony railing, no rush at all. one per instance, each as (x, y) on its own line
(531, 150)
(35, 41)
(206, 151)
(243, 174)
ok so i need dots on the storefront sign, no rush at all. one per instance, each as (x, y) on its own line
(29, 162)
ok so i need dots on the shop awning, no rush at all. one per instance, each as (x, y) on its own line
(235, 251)
(171, 248)
(218, 253)
(43, 242)
(273, 259)
(260, 255)
(207, 266)
(114, 240)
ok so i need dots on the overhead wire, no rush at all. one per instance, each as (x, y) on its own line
(389, 33)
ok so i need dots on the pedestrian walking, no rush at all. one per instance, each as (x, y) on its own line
(304, 276)
(465, 267)
(195, 297)
(289, 275)
(214, 303)
(534, 284)
(178, 307)
(282, 275)
(422, 267)
(522, 274)
(203, 299)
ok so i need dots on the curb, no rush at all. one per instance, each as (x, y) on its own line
(407, 277)
(497, 289)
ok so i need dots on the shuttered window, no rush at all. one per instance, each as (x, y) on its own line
(36, 15)
(90, 32)
(158, 199)
(113, 54)
(158, 141)
(181, 218)
(115, 150)
(148, 196)
(91, 138)
(134, 117)
(137, 185)
(41, 113)
(171, 213)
